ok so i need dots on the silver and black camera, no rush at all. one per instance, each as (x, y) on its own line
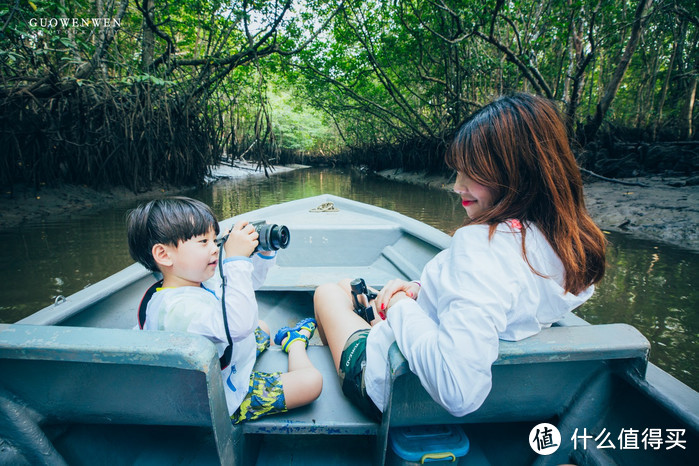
(272, 236)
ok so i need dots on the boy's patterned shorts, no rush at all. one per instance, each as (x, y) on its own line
(262, 340)
(265, 392)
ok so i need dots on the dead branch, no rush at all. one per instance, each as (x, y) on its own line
(612, 180)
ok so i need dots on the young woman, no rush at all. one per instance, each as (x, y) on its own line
(528, 253)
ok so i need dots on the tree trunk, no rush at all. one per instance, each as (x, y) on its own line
(574, 82)
(610, 91)
(148, 44)
(666, 84)
(687, 112)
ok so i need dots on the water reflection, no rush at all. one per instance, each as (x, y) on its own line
(43, 260)
(435, 207)
(650, 286)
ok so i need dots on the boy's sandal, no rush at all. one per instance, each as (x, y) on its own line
(292, 334)
(289, 337)
(308, 324)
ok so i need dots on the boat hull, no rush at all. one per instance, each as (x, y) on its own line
(575, 376)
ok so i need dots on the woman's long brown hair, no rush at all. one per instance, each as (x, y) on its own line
(518, 146)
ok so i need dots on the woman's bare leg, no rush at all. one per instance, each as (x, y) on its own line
(335, 316)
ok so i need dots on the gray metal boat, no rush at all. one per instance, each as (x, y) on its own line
(79, 385)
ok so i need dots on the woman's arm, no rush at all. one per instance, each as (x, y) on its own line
(452, 348)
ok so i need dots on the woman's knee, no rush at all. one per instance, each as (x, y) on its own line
(328, 294)
(323, 290)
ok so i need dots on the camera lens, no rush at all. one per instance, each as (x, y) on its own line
(272, 236)
(279, 237)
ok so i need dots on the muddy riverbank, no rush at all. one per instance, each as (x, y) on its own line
(656, 208)
(24, 204)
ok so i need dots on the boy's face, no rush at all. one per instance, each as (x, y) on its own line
(195, 260)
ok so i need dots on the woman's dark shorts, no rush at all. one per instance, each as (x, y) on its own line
(352, 365)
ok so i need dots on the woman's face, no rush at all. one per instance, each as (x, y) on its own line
(474, 197)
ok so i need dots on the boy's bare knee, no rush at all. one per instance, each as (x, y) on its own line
(315, 383)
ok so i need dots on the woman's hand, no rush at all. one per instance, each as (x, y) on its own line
(394, 291)
(242, 240)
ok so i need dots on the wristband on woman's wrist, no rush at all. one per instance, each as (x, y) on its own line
(410, 293)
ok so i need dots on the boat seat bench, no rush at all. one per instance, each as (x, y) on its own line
(173, 379)
(84, 375)
(535, 379)
(331, 414)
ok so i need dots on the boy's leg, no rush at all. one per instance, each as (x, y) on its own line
(263, 325)
(303, 382)
(262, 337)
(277, 392)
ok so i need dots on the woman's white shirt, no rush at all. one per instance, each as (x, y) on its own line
(473, 294)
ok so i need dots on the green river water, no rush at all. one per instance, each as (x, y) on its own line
(649, 285)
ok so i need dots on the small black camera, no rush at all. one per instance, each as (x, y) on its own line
(272, 236)
(362, 296)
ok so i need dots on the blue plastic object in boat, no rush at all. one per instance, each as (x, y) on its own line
(428, 444)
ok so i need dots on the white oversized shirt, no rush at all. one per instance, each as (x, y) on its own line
(474, 293)
(198, 310)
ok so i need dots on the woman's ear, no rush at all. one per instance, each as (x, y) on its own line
(161, 255)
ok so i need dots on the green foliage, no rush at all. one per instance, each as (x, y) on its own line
(267, 78)
(298, 127)
(396, 71)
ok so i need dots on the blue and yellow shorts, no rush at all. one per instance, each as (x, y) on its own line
(265, 392)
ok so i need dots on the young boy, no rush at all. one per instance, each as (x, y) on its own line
(177, 237)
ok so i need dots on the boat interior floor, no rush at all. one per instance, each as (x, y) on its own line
(89, 444)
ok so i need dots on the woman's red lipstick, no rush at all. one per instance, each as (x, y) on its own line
(466, 203)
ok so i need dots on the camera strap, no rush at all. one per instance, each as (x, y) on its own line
(224, 360)
(144, 303)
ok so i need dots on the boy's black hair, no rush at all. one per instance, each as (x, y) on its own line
(166, 221)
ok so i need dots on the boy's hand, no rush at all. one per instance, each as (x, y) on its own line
(242, 240)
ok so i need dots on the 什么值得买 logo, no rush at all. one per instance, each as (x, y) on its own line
(544, 438)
